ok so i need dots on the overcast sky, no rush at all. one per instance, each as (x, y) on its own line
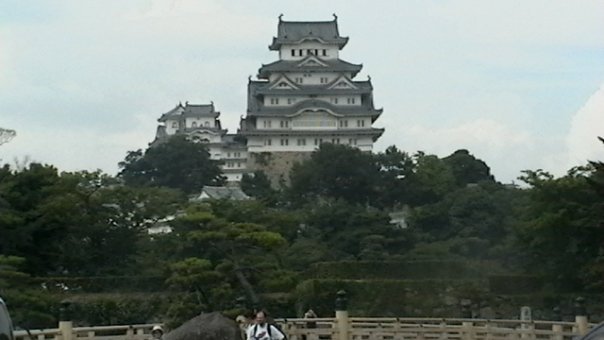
(518, 83)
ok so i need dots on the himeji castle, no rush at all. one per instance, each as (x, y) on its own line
(307, 97)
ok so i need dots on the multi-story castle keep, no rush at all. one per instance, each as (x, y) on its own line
(306, 98)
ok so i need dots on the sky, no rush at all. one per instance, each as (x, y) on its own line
(520, 84)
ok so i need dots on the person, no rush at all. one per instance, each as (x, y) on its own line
(243, 322)
(157, 332)
(310, 314)
(262, 330)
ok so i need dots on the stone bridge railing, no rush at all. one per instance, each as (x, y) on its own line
(355, 329)
(343, 327)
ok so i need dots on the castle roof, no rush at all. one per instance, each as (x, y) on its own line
(251, 130)
(190, 110)
(309, 64)
(264, 88)
(295, 32)
(257, 108)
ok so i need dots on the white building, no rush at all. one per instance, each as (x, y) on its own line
(308, 96)
(200, 123)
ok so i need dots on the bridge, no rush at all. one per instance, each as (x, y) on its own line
(343, 327)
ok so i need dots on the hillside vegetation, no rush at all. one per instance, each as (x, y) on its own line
(459, 235)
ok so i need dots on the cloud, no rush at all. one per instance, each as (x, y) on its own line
(587, 124)
(101, 72)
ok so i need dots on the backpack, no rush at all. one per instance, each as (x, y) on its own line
(269, 326)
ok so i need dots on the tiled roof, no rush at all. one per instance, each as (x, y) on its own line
(362, 87)
(293, 32)
(190, 110)
(256, 108)
(331, 65)
(374, 132)
(230, 193)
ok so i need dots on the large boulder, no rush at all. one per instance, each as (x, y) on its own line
(208, 326)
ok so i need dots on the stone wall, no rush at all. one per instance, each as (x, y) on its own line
(276, 165)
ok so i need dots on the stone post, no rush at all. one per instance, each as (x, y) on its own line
(526, 316)
(557, 329)
(342, 321)
(581, 316)
(65, 322)
(466, 308)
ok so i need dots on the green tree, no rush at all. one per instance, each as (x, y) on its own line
(467, 169)
(396, 169)
(259, 186)
(197, 276)
(239, 248)
(336, 171)
(431, 180)
(562, 232)
(177, 163)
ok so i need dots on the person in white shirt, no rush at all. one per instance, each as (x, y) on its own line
(262, 330)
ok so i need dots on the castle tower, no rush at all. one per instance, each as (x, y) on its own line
(200, 124)
(308, 96)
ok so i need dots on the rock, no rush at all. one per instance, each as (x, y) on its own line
(208, 326)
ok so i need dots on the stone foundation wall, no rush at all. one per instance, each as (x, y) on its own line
(276, 165)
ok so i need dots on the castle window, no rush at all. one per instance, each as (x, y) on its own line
(324, 52)
(361, 123)
(274, 101)
(284, 124)
(300, 53)
(267, 123)
(267, 142)
(324, 80)
(352, 141)
(194, 124)
(228, 154)
(284, 141)
(301, 141)
(309, 52)
(299, 80)
(316, 52)
(206, 123)
(174, 125)
(343, 123)
(318, 141)
(291, 100)
(334, 100)
(293, 53)
(350, 100)
(308, 75)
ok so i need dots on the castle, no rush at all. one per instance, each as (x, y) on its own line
(306, 98)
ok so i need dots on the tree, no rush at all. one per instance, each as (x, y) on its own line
(431, 179)
(197, 276)
(336, 171)
(177, 163)
(76, 223)
(467, 169)
(562, 231)
(396, 169)
(239, 248)
(259, 186)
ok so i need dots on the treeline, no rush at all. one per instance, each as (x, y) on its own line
(59, 232)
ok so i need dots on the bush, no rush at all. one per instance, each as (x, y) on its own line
(400, 270)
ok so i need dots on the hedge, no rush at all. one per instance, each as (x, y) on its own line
(401, 270)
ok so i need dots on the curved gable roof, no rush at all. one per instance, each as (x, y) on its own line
(293, 32)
